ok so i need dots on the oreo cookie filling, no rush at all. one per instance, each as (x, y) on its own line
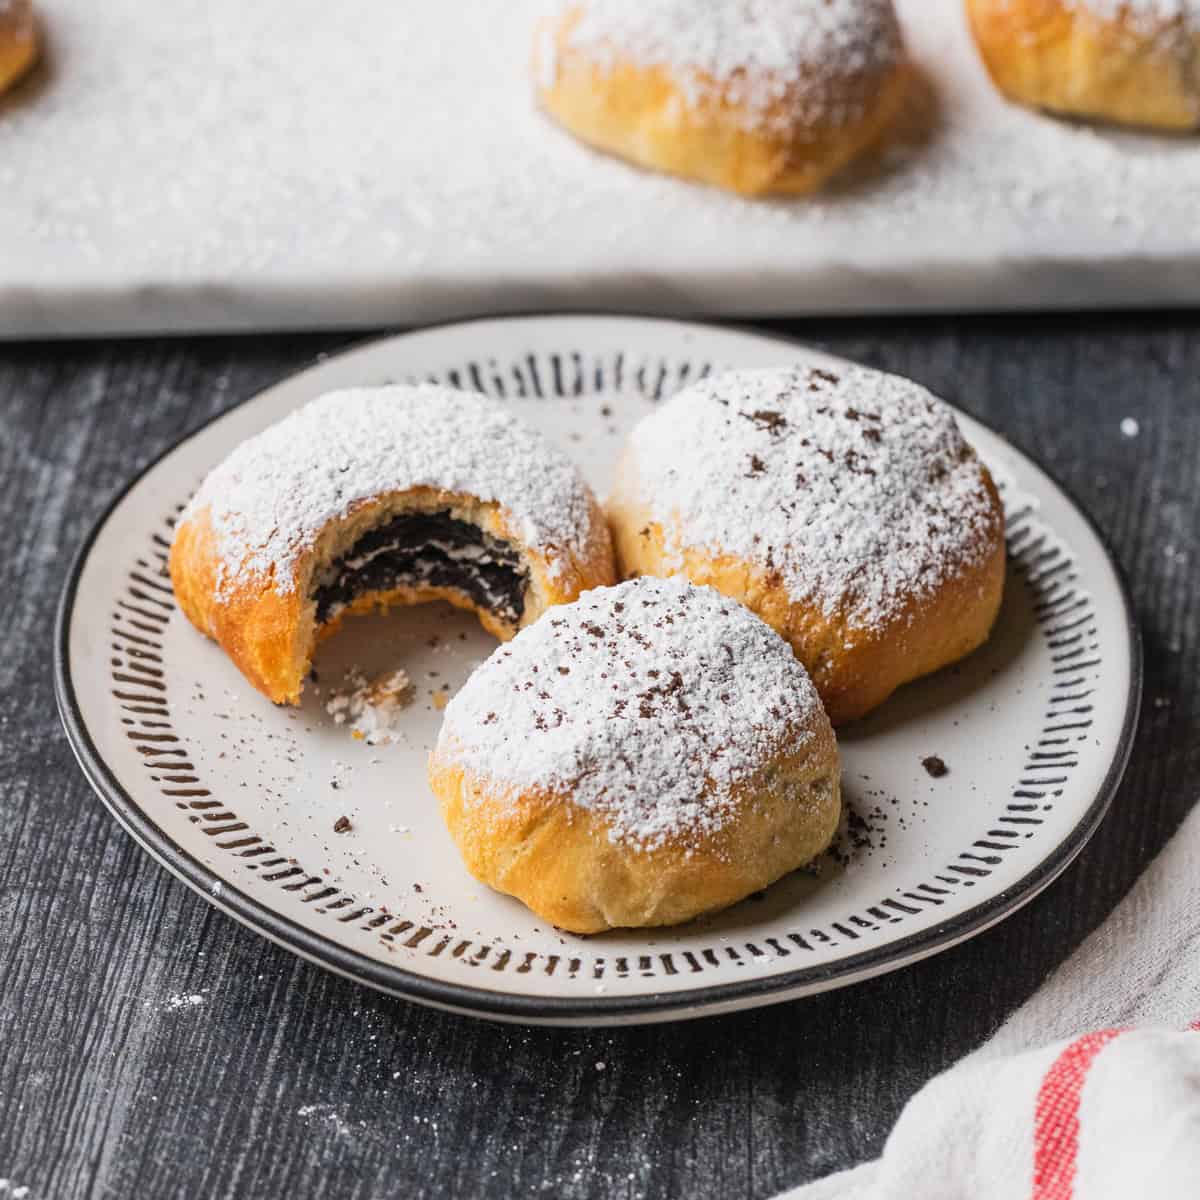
(427, 550)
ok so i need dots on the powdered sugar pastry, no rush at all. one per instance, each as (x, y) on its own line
(272, 496)
(754, 53)
(856, 487)
(650, 702)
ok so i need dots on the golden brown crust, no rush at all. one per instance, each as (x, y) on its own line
(257, 626)
(641, 114)
(18, 41)
(1068, 59)
(270, 634)
(855, 669)
(559, 860)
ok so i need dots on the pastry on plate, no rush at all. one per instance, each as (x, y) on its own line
(373, 497)
(758, 96)
(649, 753)
(841, 504)
(1136, 62)
(18, 40)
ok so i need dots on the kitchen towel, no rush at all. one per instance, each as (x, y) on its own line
(1090, 1090)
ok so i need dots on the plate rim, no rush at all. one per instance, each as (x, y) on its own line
(467, 999)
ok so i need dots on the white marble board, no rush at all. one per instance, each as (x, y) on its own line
(295, 163)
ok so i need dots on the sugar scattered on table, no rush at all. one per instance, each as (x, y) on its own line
(179, 1000)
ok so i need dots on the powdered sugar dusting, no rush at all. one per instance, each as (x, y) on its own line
(651, 701)
(754, 53)
(272, 496)
(854, 486)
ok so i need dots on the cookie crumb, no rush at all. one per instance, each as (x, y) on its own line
(372, 706)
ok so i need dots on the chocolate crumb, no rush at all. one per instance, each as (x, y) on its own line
(341, 825)
(935, 766)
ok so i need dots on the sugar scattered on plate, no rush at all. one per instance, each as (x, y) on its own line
(371, 706)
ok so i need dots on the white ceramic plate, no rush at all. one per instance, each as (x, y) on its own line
(239, 798)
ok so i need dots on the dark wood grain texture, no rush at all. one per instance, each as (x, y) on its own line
(285, 1079)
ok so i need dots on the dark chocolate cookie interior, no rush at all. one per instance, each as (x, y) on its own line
(432, 550)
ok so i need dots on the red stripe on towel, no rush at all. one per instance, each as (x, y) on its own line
(1056, 1119)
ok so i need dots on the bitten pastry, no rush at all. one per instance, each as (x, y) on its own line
(368, 498)
(841, 505)
(758, 96)
(1136, 62)
(649, 753)
(18, 40)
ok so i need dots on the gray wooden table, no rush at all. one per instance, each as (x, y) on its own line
(283, 1079)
